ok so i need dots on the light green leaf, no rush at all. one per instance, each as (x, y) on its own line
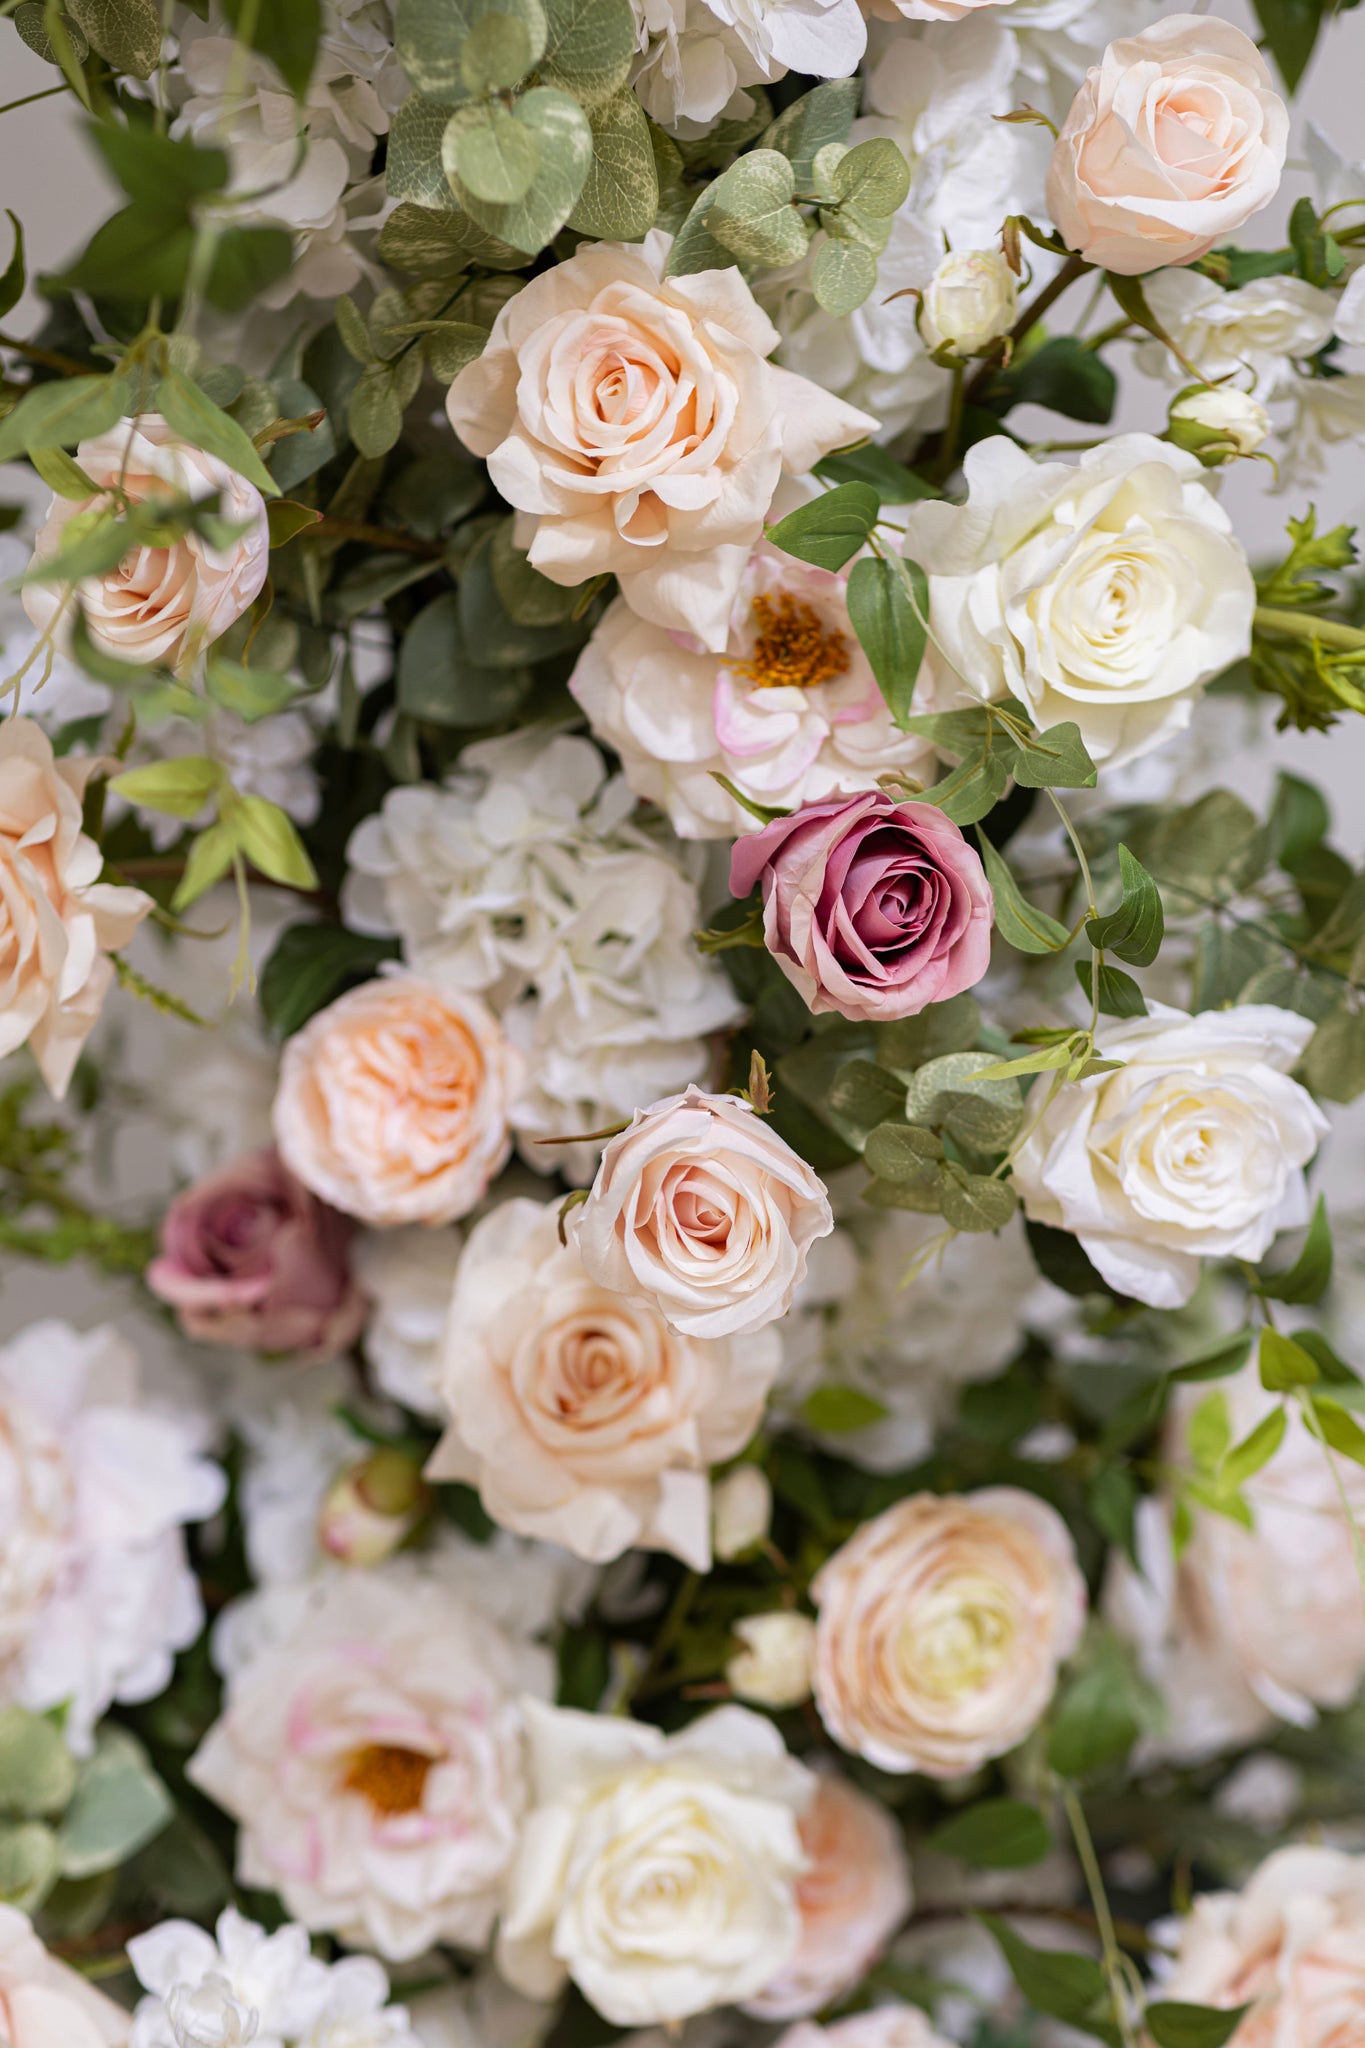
(1118, 993)
(127, 33)
(451, 345)
(830, 529)
(499, 49)
(589, 47)
(119, 1805)
(818, 118)
(1308, 1279)
(1020, 923)
(270, 841)
(413, 171)
(62, 474)
(994, 1834)
(874, 177)
(251, 693)
(1285, 1364)
(288, 519)
(37, 1770)
(865, 1095)
(1340, 1428)
(208, 860)
(489, 152)
(903, 1153)
(1219, 1360)
(751, 210)
(949, 1092)
(970, 790)
(1255, 1450)
(180, 787)
(354, 330)
(974, 1201)
(1335, 1060)
(842, 275)
(1208, 1435)
(887, 605)
(59, 414)
(620, 195)
(207, 427)
(564, 140)
(28, 1864)
(694, 246)
(374, 412)
(28, 19)
(432, 37)
(836, 1410)
(1135, 930)
(1094, 1724)
(1055, 759)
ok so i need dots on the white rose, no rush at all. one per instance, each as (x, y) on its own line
(1108, 591)
(881, 2026)
(970, 301)
(1251, 337)
(1220, 422)
(658, 1872)
(1174, 140)
(773, 1669)
(942, 1625)
(702, 1209)
(1193, 1149)
(634, 423)
(741, 1511)
(43, 2004)
(407, 1276)
(579, 1414)
(160, 604)
(1349, 324)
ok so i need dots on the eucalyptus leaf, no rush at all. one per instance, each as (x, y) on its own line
(563, 140)
(842, 275)
(620, 195)
(751, 210)
(589, 48)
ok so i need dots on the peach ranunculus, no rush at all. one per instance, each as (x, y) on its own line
(578, 1413)
(43, 2004)
(942, 1625)
(1176, 137)
(854, 1893)
(893, 2025)
(700, 1207)
(1291, 1944)
(635, 424)
(158, 605)
(393, 1102)
(58, 920)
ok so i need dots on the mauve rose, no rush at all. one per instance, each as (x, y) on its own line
(249, 1257)
(872, 908)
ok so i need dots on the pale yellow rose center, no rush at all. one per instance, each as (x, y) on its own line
(956, 1638)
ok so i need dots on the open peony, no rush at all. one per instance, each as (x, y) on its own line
(579, 1414)
(45, 2004)
(634, 422)
(1194, 1148)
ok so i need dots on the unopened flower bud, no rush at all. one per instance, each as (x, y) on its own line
(774, 1667)
(372, 1506)
(971, 300)
(741, 1512)
(1217, 422)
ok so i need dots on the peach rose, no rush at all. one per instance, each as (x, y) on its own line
(58, 920)
(633, 421)
(159, 604)
(942, 1625)
(1176, 137)
(393, 1102)
(882, 2026)
(45, 2005)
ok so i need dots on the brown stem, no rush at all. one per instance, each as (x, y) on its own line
(1074, 267)
(48, 357)
(376, 536)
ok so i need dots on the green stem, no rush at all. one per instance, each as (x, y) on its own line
(1308, 626)
(29, 98)
(1113, 1956)
(1074, 267)
(952, 432)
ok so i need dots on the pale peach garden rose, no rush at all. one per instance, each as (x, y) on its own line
(43, 2004)
(1176, 137)
(393, 1102)
(58, 920)
(158, 605)
(635, 424)
(942, 1624)
(579, 1414)
(701, 1208)
(881, 2026)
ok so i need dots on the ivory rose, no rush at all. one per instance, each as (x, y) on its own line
(633, 421)
(160, 605)
(58, 920)
(579, 1414)
(658, 1872)
(1106, 591)
(1193, 1149)
(882, 2026)
(1176, 137)
(700, 1208)
(942, 1624)
(771, 1668)
(871, 908)
(43, 2004)
(393, 1102)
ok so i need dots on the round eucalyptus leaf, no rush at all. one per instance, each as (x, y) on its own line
(498, 50)
(491, 153)
(842, 275)
(563, 141)
(448, 52)
(28, 1864)
(37, 1770)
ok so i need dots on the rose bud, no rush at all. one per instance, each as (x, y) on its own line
(970, 301)
(1215, 422)
(741, 1512)
(373, 1507)
(774, 1667)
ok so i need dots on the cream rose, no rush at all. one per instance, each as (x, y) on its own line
(1194, 1149)
(633, 421)
(658, 1872)
(1176, 137)
(702, 1209)
(881, 2026)
(1251, 337)
(160, 605)
(1108, 591)
(772, 1666)
(579, 1414)
(58, 920)
(393, 1102)
(970, 301)
(942, 1626)
(43, 2004)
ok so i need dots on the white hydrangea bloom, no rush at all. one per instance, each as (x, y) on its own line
(1252, 336)
(408, 1275)
(691, 68)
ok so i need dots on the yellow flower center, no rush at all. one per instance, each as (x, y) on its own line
(391, 1779)
(956, 1640)
(792, 647)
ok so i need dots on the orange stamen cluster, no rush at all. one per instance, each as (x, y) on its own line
(793, 647)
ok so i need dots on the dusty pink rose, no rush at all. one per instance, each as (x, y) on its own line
(249, 1257)
(872, 908)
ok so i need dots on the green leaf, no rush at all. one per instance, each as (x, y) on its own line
(994, 1834)
(809, 124)
(179, 788)
(589, 48)
(414, 173)
(843, 275)
(892, 481)
(208, 427)
(119, 1805)
(485, 622)
(1285, 1364)
(29, 20)
(208, 860)
(1060, 1259)
(903, 1153)
(62, 474)
(440, 684)
(1334, 1062)
(1208, 1434)
(1020, 923)
(60, 414)
(563, 141)
(866, 1095)
(1055, 759)
(1065, 1986)
(1340, 1428)
(14, 277)
(695, 247)
(1094, 1725)
(1219, 1360)
(1290, 28)
(1254, 1452)
(1310, 1276)
(908, 1042)
(874, 177)
(374, 412)
(1062, 375)
(156, 169)
(971, 790)
(975, 1201)
(246, 262)
(837, 1410)
(309, 965)
(28, 1864)
(831, 529)
(949, 1092)
(450, 48)
(270, 840)
(1135, 930)
(888, 603)
(127, 33)
(1173, 2024)
(288, 519)
(251, 693)
(37, 1770)
(492, 154)
(285, 31)
(1333, 1369)
(751, 211)
(1119, 994)
(620, 194)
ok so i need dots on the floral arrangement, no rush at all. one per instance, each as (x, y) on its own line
(682, 1256)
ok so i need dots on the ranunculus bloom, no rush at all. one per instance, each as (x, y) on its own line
(579, 1414)
(58, 920)
(881, 2026)
(1175, 138)
(393, 1102)
(853, 1893)
(249, 1257)
(1193, 1149)
(634, 423)
(160, 605)
(942, 1625)
(702, 1209)
(871, 908)
(658, 1872)
(43, 2004)
(1289, 1945)
(373, 1762)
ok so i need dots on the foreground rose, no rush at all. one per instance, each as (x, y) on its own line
(58, 920)
(578, 1413)
(250, 1258)
(1289, 1945)
(43, 2004)
(1176, 137)
(658, 1872)
(871, 908)
(393, 1102)
(702, 1209)
(942, 1626)
(1108, 591)
(633, 422)
(373, 1762)
(1194, 1149)
(160, 605)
